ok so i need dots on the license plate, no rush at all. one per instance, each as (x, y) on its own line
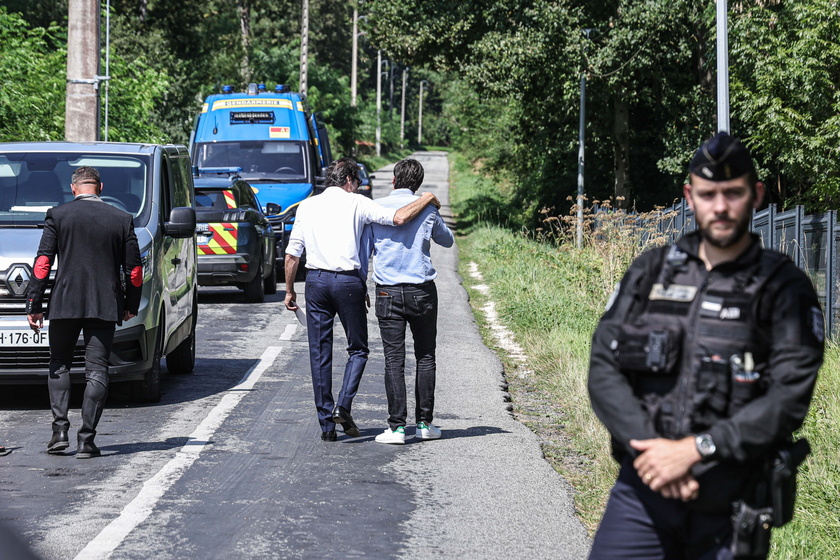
(31, 339)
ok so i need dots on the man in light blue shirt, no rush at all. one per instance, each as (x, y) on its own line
(406, 294)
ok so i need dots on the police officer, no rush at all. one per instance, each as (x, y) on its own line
(97, 286)
(701, 368)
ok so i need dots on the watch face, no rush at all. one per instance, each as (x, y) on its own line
(705, 445)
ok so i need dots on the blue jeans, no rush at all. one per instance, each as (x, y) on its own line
(416, 306)
(329, 294)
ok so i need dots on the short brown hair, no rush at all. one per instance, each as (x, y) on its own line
(408, 174)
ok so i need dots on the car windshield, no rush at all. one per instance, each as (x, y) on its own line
(214, 199)
(32, 183)
(283, 161)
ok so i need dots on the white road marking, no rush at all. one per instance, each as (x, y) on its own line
(132, 515)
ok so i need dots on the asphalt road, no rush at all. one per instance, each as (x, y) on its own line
(230, 463)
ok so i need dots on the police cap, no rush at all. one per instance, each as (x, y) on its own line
(722, 158)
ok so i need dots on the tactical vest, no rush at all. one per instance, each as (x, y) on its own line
(695, 349)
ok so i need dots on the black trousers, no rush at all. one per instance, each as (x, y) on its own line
(98, 337)
(417, 307)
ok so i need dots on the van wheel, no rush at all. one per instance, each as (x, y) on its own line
(271, 282)
(148, 388)
(255, 289)
(182, 359)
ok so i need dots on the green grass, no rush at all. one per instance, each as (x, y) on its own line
(551, 296)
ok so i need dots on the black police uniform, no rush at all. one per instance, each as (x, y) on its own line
(733, 353)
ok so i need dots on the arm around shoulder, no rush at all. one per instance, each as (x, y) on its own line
(411, 210)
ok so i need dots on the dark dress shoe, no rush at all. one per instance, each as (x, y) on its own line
(341, 416)
(328, 436)
(88, 450)
(58, 442)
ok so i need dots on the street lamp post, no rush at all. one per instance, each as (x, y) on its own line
(420, 114)
(722, 66)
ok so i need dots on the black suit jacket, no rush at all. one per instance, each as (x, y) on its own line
(100, 274)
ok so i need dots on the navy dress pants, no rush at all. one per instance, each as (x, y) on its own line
(329, 294)
(641, 524)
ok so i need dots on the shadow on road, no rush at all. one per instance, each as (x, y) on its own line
(211, 376)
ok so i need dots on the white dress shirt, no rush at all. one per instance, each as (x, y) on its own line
(329, 226)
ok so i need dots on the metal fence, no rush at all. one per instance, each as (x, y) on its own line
(810, 241)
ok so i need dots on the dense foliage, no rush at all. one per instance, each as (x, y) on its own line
(514, 71)
(501, 81)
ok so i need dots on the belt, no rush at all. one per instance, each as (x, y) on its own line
(353, 272)
(407, 285)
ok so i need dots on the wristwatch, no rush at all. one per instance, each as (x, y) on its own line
(705, 446)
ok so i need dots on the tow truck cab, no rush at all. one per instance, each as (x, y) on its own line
(281, 147)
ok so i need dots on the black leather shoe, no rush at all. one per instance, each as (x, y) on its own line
(59, 442)
(328, 436)
(341, 416)
(88, 450)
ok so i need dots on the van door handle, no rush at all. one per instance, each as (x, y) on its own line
(176, 260)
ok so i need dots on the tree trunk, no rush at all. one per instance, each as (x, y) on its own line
(244, 9)
(621, 137)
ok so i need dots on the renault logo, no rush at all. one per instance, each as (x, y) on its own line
(18, 279)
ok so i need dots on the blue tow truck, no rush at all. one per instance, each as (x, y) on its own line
(281, 147)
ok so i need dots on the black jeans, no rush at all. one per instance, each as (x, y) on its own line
(98, 337)
(415, 305)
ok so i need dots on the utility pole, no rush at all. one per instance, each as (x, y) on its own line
(420, 114)
(722, 66)
(581, 137)
(378, 102)
(304, 46)
(391, 68)
(402, 108)
(354, 63)
(81, 116)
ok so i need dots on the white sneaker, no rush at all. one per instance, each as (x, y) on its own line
(427, 431)
(396, 436)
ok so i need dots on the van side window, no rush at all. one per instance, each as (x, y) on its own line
(166, 188)
(183, 176)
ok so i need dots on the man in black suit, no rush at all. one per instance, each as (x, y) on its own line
(97, 286)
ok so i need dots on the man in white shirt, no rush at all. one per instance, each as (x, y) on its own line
(329, 227)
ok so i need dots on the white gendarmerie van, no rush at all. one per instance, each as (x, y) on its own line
(151, 182)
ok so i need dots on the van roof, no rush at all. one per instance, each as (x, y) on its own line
(97, 147)
(241, 116)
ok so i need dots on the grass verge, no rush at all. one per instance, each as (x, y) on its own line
(550, 296)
